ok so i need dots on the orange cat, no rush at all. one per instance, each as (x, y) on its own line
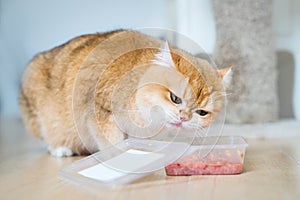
(97, 89)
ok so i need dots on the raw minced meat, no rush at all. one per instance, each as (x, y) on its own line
(210, 164)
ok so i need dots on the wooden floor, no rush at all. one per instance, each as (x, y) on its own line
(27, 171)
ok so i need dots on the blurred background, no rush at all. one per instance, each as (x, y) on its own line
(31, 26)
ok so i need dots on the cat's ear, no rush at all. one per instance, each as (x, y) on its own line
(164, 57)
(226, 75)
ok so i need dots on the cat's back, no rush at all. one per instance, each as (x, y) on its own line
(48, 79)
(49, 68)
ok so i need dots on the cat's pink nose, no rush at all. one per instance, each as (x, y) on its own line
(184, 116)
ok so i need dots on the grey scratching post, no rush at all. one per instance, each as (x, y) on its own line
(245, 41)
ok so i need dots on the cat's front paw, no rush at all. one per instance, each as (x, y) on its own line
(61, 152)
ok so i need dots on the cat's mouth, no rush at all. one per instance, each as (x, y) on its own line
(177, 124)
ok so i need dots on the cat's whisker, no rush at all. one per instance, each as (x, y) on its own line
(198, 128)
(200, 134)
(126, 110)
(196, 125)
(172, 116)
(225, 94)
(228, 94)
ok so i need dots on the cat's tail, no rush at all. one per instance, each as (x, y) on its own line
(29, 116)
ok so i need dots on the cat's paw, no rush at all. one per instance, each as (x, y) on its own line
(61, 152)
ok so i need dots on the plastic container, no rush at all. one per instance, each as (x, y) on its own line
(211, 156)
(123, 163)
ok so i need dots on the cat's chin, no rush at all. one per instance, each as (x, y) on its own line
(183, 125)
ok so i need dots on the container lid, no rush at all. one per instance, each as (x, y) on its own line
(123, 163)
(220, 141)
(207, 144)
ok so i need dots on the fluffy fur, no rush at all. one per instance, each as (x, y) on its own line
(97, 89)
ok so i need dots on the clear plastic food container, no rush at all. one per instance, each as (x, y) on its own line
(211, 156)
(123, 163)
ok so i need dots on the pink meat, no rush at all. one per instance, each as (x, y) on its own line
(193, 165)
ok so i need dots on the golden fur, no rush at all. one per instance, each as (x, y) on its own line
(73, 95)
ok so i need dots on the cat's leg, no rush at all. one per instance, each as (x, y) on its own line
(29, 114)
(61, 151)
(36, 127)
(105, 132)
(61, 136)
(66, 147)
(69, 147)
(59, 147)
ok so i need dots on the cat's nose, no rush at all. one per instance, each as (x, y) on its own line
(184, 116)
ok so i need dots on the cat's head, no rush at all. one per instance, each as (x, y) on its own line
(188, 89)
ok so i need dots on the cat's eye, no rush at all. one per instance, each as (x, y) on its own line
(175, 99)
(201, 112)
